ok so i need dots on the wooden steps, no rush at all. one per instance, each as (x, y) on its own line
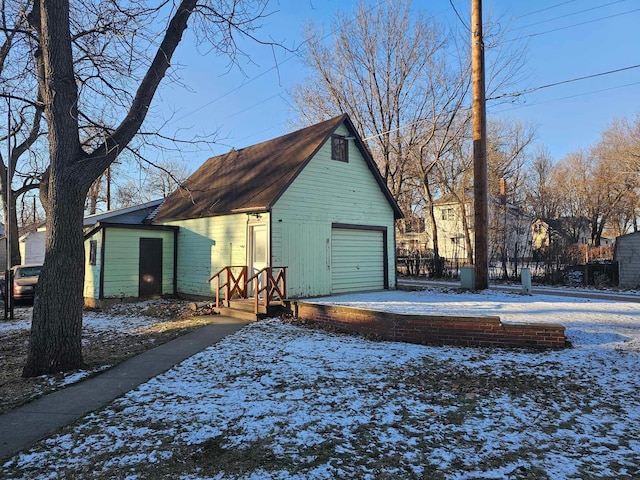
(244, 309)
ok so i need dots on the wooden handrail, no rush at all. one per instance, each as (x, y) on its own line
(239, 283)
(273, 287)
(224, 269)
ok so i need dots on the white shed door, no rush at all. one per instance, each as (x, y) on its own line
(357, 260)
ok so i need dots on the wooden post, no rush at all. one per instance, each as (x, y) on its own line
(480, 183)
(109, 188)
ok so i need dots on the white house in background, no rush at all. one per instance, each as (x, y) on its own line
(31, 244)
(627, 254)
(509, 228)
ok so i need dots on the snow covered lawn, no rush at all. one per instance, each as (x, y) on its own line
(282, 401)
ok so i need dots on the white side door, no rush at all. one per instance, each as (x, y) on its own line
(258, 252)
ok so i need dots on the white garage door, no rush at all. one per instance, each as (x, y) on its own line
(357, 260)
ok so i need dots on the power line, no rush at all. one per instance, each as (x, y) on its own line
(569, 14)
(569, 26)
(329, 34)
(545, 9)
(257, 104)
(275, 67)
(567, 97)
(517, 94)
(534, 89)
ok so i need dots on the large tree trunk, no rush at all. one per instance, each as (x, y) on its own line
(56, 328)
(56, 332)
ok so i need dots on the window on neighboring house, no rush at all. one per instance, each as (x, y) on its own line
(93, 252)
(448, 214)
(339, 148)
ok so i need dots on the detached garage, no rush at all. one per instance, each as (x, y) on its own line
(358, 259)
(311, 203)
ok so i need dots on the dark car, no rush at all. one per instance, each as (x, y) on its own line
(25, 279)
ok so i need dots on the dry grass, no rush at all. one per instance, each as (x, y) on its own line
(101, 350)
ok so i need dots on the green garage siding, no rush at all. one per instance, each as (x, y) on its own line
(303, 247)
(297, 188)
(357, 260)
(325, 193)
(205, 246)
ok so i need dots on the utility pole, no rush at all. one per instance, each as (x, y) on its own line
(8, 276)
(480, 183)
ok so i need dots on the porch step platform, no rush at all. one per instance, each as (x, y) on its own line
(244, 309)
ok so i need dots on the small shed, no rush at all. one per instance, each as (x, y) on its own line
(127, 257)
(312, 201)
(627, 254)
(125, 261)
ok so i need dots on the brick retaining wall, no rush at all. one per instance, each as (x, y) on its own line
(433, 329)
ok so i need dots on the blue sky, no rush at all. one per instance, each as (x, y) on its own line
(566, 40)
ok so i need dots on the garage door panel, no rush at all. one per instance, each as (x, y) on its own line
(357, 260)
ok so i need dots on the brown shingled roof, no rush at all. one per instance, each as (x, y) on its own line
(252, 178)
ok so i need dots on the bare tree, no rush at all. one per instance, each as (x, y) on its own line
(541, 197)
(22, 111)
(618, 152)
(405, 81)
(165, 176)
(622, 139)
(154, 180)
(506, 156)
(69, 106)
(595, 184)
(374, 70)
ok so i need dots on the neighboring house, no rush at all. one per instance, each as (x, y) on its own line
(508, 228)
(412, 236)
(560, 232)
(32, 238)
(31, 244)
(126, 256)
(449, 222)
(312, 201)
(627, 254)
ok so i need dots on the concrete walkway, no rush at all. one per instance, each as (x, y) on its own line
(22, 427)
